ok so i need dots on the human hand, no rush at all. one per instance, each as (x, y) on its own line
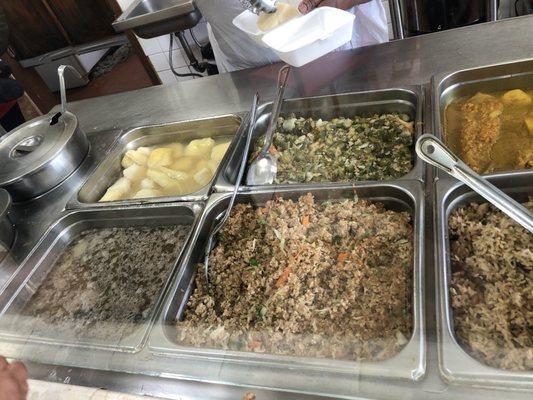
(306, 6)
(13, 380)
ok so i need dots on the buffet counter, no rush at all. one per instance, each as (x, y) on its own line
(147, 349)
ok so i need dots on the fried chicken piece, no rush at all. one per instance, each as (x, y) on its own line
(481, 129)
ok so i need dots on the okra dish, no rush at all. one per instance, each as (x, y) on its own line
(306, 278)
(376, 147)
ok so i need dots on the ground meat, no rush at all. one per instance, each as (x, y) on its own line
(309, 279)
(492, 286)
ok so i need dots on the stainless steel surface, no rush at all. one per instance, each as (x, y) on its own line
(396, 19)
(222, 218)
(40, 154)
(259, 6)
(7, 230)
(405, 62)
(448, 86)
(454, 362)
(62, 88)
(434, 152)
(493, 10)
(264, 167)
(407, 100)
(409, 364)
(110, 168)
(152, 18)
(106, 43)
(34, 270)
(47, 71)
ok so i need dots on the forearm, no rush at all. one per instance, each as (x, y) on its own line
(343, 4)
(308, 5)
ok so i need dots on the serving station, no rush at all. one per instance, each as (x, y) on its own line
(416, 77)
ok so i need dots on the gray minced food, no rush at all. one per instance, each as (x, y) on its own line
(104, 283)
(327, 280)
(492, 286)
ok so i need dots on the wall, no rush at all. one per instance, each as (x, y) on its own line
(157, 49)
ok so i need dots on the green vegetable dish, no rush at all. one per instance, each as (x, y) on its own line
(377, 147)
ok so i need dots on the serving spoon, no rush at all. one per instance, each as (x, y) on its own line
(434, 152)
(264, 167)
(223, 217)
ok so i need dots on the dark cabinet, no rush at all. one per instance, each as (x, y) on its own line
(32, 28)
(84, 20)
(40, 26)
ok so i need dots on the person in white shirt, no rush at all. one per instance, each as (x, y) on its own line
(234, 50)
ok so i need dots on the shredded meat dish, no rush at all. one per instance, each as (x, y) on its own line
(492, 286)
(304, 278)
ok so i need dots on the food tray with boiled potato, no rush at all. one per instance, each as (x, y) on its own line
(177, 162)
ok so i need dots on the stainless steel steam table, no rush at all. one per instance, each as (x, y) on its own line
(408, 62)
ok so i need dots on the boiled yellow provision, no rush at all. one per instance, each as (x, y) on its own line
(161, 156)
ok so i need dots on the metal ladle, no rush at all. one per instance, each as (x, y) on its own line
(264, 167)
(259, 6)
(223, 217)
(434, 152)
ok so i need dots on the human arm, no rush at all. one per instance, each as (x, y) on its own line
(13, 380)
(308, 5)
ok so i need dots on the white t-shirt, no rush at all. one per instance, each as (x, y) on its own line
(234, 50)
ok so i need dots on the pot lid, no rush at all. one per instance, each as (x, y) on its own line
(33, 144)
(5, 202)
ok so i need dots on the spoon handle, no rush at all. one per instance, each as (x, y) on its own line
(224, 216)
(434, 152)
(283, 76)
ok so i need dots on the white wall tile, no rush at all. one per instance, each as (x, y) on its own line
(167, 77)
(179, 59)
(159, 61)
(150, 46)
(164, 42)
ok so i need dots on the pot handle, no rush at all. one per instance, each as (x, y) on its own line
(62, 87)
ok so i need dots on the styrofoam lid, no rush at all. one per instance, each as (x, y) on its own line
(319, 24)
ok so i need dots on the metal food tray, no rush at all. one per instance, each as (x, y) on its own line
(408, 99)
(456, 365)
(408, 364)
(33, 271)
(109, 170)
(495, 78)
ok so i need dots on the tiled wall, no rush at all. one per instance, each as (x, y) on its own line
(157, 49)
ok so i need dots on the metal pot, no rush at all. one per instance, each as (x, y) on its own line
(7, 230)
(42, 153)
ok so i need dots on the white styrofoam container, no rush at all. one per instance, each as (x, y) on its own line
(247, 22)
(306, 38)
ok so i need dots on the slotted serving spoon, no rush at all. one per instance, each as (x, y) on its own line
(223, 217)
(434, 152)
(264, 167)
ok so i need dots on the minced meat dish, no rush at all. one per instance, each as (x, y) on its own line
(304, 278)
(492, 286)
(376, 147)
